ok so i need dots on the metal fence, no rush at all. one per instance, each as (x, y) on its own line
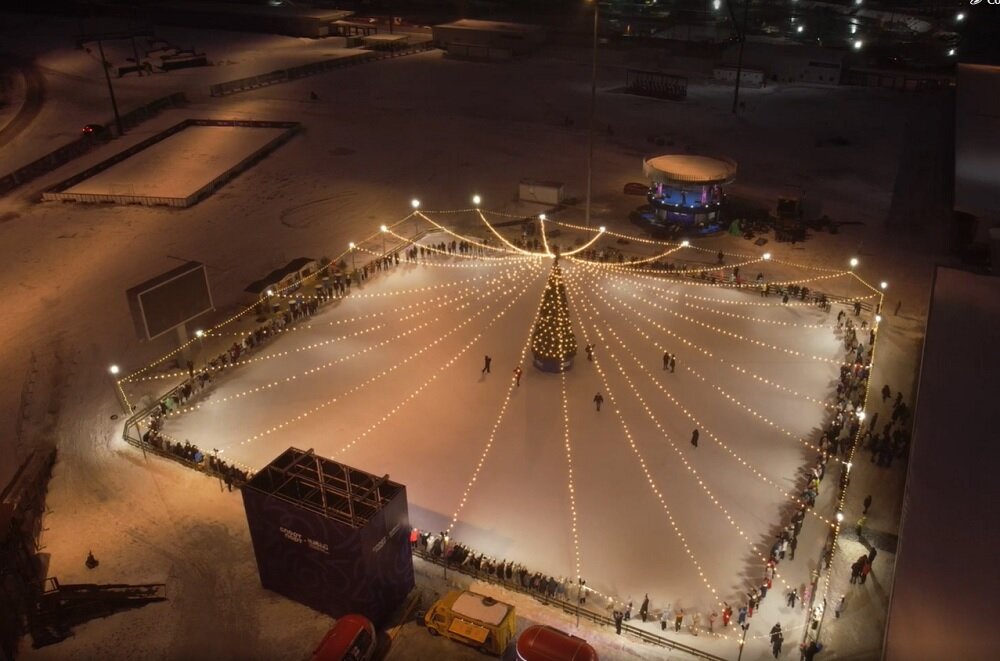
(58, 192)
(85, 143)
(574, 609)
(305, 70)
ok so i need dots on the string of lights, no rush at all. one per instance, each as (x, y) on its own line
(381, 374)
(680, 455)
(444, 366)
(496, 426)
(700, 424)
(649, 477)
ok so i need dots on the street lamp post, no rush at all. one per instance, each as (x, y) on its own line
(354, 266)
(111, 90)
(743, 640)
(385, 230)
(593, 110)
(415, 203)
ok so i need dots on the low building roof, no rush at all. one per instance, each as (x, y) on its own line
(689, 169)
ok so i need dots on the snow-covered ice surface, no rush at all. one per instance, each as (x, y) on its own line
(181, 164)
(437, 129)
(390, 380)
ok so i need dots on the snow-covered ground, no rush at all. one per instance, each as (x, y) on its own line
(440, 130)
(180, 165)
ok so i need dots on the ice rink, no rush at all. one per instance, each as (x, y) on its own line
(180, 165)
(390, 380)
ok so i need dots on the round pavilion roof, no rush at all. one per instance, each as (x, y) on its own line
(688, 169)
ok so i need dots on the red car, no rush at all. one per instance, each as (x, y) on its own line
(93, 129)
(542, 643)
(351, 638)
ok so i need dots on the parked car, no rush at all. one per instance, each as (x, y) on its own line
(94, 129)
(352, 638)
(543, 643)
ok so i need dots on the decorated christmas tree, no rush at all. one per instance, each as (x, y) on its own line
(552, 342)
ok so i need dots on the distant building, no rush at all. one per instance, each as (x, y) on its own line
(748, 77)
(788, 63)
(488, 40)
(977, 147)
(702, 33)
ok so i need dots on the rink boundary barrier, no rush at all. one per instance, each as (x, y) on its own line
(572, 609)
(279, 76)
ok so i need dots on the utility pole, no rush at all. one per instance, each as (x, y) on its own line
(739, 58)
(111, 90)
(593, 106)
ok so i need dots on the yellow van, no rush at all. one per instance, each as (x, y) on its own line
(473, 619)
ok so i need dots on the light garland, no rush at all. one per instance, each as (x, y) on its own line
(372, 379)
(701, 424)
(448, 363)
(663, 432)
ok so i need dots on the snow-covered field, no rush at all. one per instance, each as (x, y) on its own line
(180, 165)
(437, 129)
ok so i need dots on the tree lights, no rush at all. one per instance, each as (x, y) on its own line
(553, 344)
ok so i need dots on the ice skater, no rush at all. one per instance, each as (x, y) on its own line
(517, 375)
(486, 365)
(590, 352)
(598, 400)
(694, 438)
(666, 361)
(673, 363)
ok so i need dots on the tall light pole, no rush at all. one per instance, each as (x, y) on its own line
(593, 107)
(385, 230)
(354, 267)
(415, 203)
(743, 640)
(111, 90)
(739, 57)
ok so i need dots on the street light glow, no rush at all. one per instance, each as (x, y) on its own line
(270, 292)
(878, 318)
(799, 29)
(114, 369)
(541, 216)
(384, 228)
(476, 200)
(883, 285)
(766, 255)
(861, 416)
(603, 228)
(685, 243)
(351, 245)
(858, 44)
(951, 52)
(199, 333)
(960, 16)
(415, 203)
(854, 262)
(717, 4)
(840, 517)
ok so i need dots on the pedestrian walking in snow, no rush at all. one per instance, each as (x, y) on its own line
(868, 503)
(859, 528)
(666, 361)
(741, 615)
(517, 376)
(898, 305)
(590, 352)
(673, 363)
(598, 400)
(872, 552)
(727, 613)
(694, 438)
(777, 639)
(839, 608)
(617, 615)
(663, 620)
(793, 595)
(486, 365)
(628, 610)
(678, 619)
(722, 257)
(644, 608)
(865, 570)
(711, 621)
